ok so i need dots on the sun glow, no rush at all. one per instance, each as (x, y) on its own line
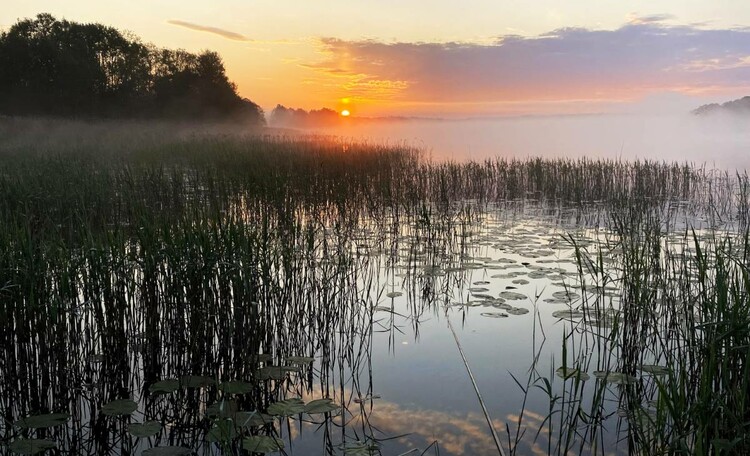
(345, 113)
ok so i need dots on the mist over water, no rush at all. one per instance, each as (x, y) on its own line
(718, 142)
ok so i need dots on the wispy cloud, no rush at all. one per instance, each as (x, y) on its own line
(215, 30)
(644, 56)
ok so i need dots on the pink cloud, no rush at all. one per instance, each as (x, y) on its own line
(641, 57)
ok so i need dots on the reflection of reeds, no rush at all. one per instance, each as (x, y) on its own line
(671, 355)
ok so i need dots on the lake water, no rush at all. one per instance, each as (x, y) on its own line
(358, 304)
(720, 142)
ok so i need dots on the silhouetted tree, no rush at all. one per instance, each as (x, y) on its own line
(57, 67)
(283, 116)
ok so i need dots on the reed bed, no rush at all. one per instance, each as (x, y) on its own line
(208, 259)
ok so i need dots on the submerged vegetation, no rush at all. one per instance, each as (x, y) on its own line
(222, 294)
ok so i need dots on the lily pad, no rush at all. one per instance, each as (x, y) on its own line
(654, 369)
(478, 290)
(512, 295)
(517, 311)
(617, 378)
(262, 444)
(321, 406)
(252, 419)
(119, 407)
(276, 372)
(394, 294)
(299, 359)
(168, 451)
(482, 296)
(165, 386)
(196, 381)
(288, 407)
(567, 373)
(494, 314)
(236, 387)
(566, 295)
(262, 357)
(222, 431)
(147, 429)
(43, 421)
(31, 446)
(567, 314)
(225, 408)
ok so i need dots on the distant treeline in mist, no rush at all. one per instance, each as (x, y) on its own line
(289, 117)
(739, 106)
(62, 68)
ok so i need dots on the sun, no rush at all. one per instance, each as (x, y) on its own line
(345, 113)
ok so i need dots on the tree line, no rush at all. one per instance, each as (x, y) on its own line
(58, 67)
(290, 117)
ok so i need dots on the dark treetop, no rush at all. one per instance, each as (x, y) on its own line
(58, 67)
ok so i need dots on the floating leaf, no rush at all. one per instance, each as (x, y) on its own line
(222, 431)
(321, 406)
(299, 359)
(617, 378)
(394, 294)
(252, 419)
(262, 444)
(654, 369)
(494, 314)
(499, 303)
(478, 290)
(512, 295)
(168, 451)
(517, 311)
(147, 429)
(225, 408)
(567, 314)
(287, 407)
(236, 387)
(31, 446)
(119, 407)
(196, 381)
(567, 373)
(262, 357)
(483, 296)
(43, 421)
(165, 386)
(276, 372)
(565, 295)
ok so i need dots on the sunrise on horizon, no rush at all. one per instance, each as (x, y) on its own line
(375, 228)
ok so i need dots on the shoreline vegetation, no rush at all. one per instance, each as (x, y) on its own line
(224, 284)
(51, 67)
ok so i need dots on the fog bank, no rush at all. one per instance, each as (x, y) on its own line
(718, 142)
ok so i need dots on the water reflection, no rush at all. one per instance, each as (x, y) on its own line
(366, 303)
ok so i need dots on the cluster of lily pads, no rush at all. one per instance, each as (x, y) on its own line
(228, 422)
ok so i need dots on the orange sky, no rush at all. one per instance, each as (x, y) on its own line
(442, 58)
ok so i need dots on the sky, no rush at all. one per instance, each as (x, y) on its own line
(440, 58)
